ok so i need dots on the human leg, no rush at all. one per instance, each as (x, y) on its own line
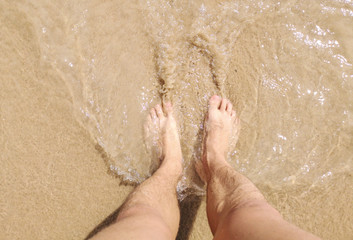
(236, 209)
(151, 211)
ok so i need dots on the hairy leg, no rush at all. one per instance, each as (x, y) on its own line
(151, 211)
(236, 209)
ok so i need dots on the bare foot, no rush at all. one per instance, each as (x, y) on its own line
(221, 127)
(161, 129)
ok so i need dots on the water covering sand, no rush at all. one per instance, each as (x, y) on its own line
(286, 66)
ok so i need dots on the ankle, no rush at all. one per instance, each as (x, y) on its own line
(172, 166)
(215, 160)
(212, 165)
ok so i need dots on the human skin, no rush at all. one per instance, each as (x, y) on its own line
(151, 211)
(236, 209)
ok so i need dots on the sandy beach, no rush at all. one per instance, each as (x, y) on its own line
(76, 81)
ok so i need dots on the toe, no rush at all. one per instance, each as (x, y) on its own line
(214, 102)
(159, 111)
(223, 104)
(168, 108)
(153, 113)
(229, 107)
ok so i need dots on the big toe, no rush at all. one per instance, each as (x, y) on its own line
(214, 102)
(168, 108)
(159, 111)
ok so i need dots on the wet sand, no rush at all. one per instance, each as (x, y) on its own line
(56, 185)
(70, 79)
(54, 182)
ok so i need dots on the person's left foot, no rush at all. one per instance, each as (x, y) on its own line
(162, 125)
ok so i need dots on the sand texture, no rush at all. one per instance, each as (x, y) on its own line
(77, 80)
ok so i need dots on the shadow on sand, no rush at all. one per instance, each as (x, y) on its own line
(188, 209)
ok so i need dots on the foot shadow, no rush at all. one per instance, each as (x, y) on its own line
(188, 207)
(188, 210)
(112, 217)
(191, 204)
(105, 223)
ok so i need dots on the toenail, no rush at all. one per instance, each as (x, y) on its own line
(214, 97)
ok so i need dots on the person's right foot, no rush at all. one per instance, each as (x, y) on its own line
(162, 125)
(221, 124)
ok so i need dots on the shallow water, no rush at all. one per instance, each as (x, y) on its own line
(286, 66)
